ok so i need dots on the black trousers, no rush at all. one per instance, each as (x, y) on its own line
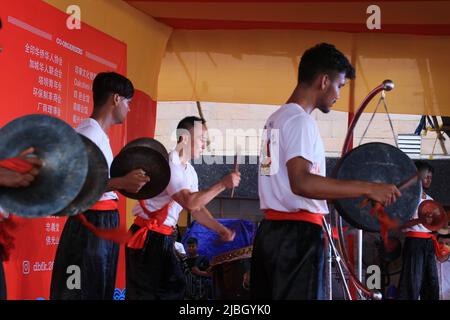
(96, 258)
(287, 261)
(419, 276)
(2, 282)
(154, 272)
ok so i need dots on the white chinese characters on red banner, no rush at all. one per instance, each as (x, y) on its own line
(49, 69)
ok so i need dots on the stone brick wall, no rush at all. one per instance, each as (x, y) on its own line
(250, 120)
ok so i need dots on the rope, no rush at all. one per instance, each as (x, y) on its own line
(370, 121)
(382, 99)
(389, 118)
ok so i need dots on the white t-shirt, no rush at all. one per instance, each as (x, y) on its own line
(181, 177)
(444, 279)
(91, 129)
(419, 227)
(289, 132)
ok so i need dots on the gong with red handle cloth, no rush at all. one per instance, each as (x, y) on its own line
(378, 162)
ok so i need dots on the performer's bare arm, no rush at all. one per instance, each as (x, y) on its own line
(205, 218)
(308, 185)
(194, 201)
(132, 182)
(14, 179)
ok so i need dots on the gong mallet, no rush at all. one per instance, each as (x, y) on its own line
(236, 169)
(401, 186)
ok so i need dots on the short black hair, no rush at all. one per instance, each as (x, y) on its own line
(424, 166)
(188, 123)
(323, 58)
(107, 83)
(192, 240)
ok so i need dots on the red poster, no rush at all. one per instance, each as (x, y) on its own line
(47, 68)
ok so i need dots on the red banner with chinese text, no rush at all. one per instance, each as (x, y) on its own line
(47, 68)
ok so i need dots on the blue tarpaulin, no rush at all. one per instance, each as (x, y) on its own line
(209, 243)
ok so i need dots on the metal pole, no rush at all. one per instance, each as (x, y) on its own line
(360, 252)
(337, 258)
(330, 272)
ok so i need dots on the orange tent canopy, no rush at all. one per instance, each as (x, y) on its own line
(248, 51)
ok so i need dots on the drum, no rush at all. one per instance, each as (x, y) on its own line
(231, 275)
